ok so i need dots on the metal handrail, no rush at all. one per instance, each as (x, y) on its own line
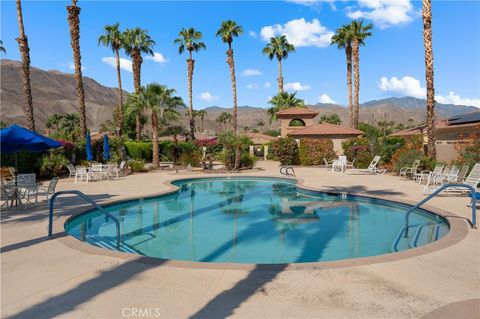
(87, 199)
(473, 222)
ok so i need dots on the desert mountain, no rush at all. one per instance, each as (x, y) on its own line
(54, 92)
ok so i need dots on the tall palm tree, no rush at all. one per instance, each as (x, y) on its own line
(134, 107)
(113, 38)
(279, 48)
(359, 33)
(283, 101)
(2, 48)
(429, 78)
(202, 114)
(25, 53)
(343, 39)
(137, 41)
(53, 121)
(69, 124)
(74, 23)
(189, 39)
(228, 30)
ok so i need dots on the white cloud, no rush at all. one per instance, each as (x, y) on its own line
(324, 98)
(453, 98)
(384, 13)
(71, 66)
(252, 86)
(313, 3)
(208, 97)
(251, 72)
(300, 33)
(296, 86)
(267, 85)
(125, 64)
(405, 86)
(157, 57)
(253, 34)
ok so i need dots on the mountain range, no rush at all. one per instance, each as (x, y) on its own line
(54, 92)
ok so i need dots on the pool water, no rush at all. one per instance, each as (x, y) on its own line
(255, 220)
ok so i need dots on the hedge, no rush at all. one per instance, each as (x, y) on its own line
(139, 150)
(313, 151)
(285, 150)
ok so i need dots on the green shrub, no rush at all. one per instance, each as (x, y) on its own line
(27, 162)
(139, 150)
(285, 150)
(469, 153)
(390, 145)
(247, 160)
(53, 164)
(230, 142)
(137, 165)
(189, 154)
(405, 157)
(363, 159)
(313, 151)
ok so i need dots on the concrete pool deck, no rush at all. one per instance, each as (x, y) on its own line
(47, 278)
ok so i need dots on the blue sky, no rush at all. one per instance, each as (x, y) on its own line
(391, 63)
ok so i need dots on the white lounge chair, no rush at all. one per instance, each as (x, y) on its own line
(472, 180)
(462, 174)
(423, 175)
(371, 169)
(405, 171)
(328, 165)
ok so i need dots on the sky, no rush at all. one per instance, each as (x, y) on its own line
(391, 62)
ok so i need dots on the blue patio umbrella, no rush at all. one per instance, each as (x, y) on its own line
(106, 148)
(89, 147)
(16, 138)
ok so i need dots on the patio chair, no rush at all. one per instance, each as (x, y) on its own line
(49, 190)
(111, 171)
(449, 175)
(71, 170)
(371, 169)
(27, 186)
(97, 172)
(405, 171)
(6, 196)
(473, 179)
(121, 168)
(423, 175)
(82, 173)
(328, 165)
(463, 173)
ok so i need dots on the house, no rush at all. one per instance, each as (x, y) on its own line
(299, 123)
(259, 149)
(450, 134)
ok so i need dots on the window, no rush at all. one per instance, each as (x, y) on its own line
(296, 122)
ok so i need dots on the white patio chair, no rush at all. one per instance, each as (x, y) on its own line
(7, 195)
(49, 190)
(328, 165)
(472, 180)
(405, 171)
(423, 175)
(71, 170)
(82, 173)
(463, 173)
(27, 187)
(371, 169)
(97, 172)
(121, 168)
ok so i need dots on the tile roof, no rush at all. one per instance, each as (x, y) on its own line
(260, 136)
(297, 111)
(326, 129)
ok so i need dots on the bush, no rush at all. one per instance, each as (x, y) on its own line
(390, 145)
(53, 164)
(285, 150)
(137, 165)
(313, 151)
(139, 150)
(230, 142)
(247, 160)
(27, 162)
(405, 157)
(189, 154)
(469, 153)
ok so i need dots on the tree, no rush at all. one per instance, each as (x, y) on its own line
(2, 48)
(246, 129)
(53, 121)
(113, 38)
(279, 48)
(189, 39)
(283, 101)
(228, 30)
(69, 124)
(332, 119)
(429, 77)
(202, 114)
(260, 123)
(135, 42)
(134, 107)
(74, 23)
(343, 39)
(359, 33)
(22, 41)
(223, 118)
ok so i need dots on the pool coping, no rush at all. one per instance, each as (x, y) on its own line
(458, 231)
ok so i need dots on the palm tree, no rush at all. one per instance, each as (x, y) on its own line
(113, 38)
(189, 39)
(69, 124)
(359, 33)
(343, 40)
(279, 48)
(162, 103)
(134, 107)
(137, 41)
(53, 121)
(202, 114)
(429, 78)
(283, 101)
(2, 48)
(74, 23)
(25, 53)
(228, 30)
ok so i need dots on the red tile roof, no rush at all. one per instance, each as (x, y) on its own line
(297, 111)
(325, 129)
(259, 137)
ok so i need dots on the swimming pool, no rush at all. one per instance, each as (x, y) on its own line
(255, 221)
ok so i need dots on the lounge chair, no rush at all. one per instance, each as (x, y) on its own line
(71, 170)
(462, 174)
(371, 169)
(423, 175)
(121, 168)
(328, 165)
(405, 171)
(472, 180)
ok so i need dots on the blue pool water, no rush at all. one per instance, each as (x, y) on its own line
(255, 220)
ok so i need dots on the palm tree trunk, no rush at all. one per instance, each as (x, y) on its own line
(156, 153)
(203, 127)
(25, 53)
(348, 51)
(191, 65)
(120, 94)
(356, 75)
(74, 23)
(137, 63)
(427, 41)
(280, 75)
(234, 91)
